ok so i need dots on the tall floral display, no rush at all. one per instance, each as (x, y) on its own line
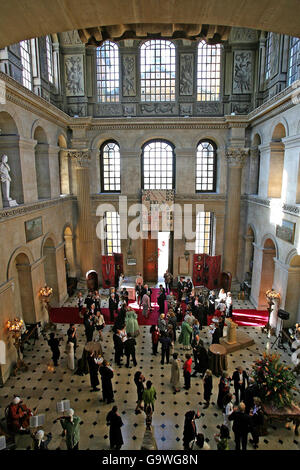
(275, 380)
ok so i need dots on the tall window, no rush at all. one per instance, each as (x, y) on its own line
(158, 67)
(26, 63)
(108, 72)
(208, 72)
(269, 49)
(49, 52)
(112, 229)
(158, 165)
(294, 53)
(206, 164)
(110, 167)
(204, 231)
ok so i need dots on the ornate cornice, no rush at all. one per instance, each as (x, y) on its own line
(28, 208)
(295, 210)
(236, 156)
(288, 208)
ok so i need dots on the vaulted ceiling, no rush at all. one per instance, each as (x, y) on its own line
(32, 18)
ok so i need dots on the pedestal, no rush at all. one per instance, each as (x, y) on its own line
(10, 203)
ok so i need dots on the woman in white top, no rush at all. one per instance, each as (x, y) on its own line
(228, 303)
(222, 295)
(227, 410)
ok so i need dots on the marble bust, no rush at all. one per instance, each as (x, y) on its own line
(5, 182)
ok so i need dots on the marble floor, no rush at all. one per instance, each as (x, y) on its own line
(42, 388)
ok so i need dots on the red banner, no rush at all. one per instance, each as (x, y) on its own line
(108, 271)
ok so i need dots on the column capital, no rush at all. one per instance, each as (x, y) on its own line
(81, 156)
(236, 156)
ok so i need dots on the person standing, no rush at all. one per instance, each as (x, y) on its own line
(175, 373)
(71, 429)
(187, 370)
(155, 338)
(70, 355)
(222, 438)
(168, 281)
(173, 322)
(241, 426)
(54, 346)
(146, 305)
(228, 303)
(93, 370)
(227, 410)
(224, 386)
(99, 324)
(129, 349)
(202, 360)
(240, 380)
(257, 418)
(113, 306)
(208, 385)
(39, 441)
(107, 374)
(139, 380)
(118, 344)
(89, 324)
(131, 323)
(251, 391)
(72, 336)
(211, 303)
(165, 347)
(161, 299)
(114, 421)
(80, 304)
(189, 430)
(185, 335)
(149, 395)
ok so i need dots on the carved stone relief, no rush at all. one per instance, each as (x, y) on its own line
(112, 109)
(70, 38)
(186, 74)
(243, 35)
(77, 110)
(74, 79)
(129, 109)
(242, 72)
(129, 75)
(274, 55)
(158, 108)
(186, 109)
(241, 108)
(209, 108)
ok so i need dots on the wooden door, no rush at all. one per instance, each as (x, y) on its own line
(150, 259)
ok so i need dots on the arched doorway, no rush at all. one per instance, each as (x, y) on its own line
(276, 162)
(42, 164)
(9, 145)
(92, 280)
(292, 299)
(267, 270)
(50, 268)
(23, 289)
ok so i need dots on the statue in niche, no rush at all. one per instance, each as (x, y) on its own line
(5, 182)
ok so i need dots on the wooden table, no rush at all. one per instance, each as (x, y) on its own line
(217, 359)
(93, 346)
(289, 413)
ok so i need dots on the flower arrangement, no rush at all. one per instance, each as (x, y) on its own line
(272, 294)
(275, 380)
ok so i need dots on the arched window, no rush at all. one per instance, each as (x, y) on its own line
(49, 52)
(112, 230)
(110, 167)
(204, 233)
(158, 67)
(26, 59)
(158, 165)
(108, 72)
(206, 166)
(269, 51)
(293, 59)
(208, 72)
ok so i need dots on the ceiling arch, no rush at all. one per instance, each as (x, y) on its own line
(16, 19)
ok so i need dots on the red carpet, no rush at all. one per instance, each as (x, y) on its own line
(246, 317)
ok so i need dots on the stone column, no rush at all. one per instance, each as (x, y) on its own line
(70, 253)
(235, 159)
(252, 185)
(85, 223)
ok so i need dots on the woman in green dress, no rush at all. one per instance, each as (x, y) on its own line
(131, 323)
(185, 335)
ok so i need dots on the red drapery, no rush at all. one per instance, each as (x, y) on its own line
(206, 270)
(108, 271)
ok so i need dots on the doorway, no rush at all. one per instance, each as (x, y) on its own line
(163, 254)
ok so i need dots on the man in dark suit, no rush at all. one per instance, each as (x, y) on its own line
(180, 288)
(113, 306)
(118, 344)
(240, 379)
(129, 349)
(89, 300)
(241, 426)
(250, 392)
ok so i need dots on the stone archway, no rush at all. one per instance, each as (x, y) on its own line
(267, 270)
(276, 162)
(292, 299)
(23, 288)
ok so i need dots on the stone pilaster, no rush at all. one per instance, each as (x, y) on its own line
(85, 225)
(235, 160)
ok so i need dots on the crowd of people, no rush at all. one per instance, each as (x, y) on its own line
(181, 322)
